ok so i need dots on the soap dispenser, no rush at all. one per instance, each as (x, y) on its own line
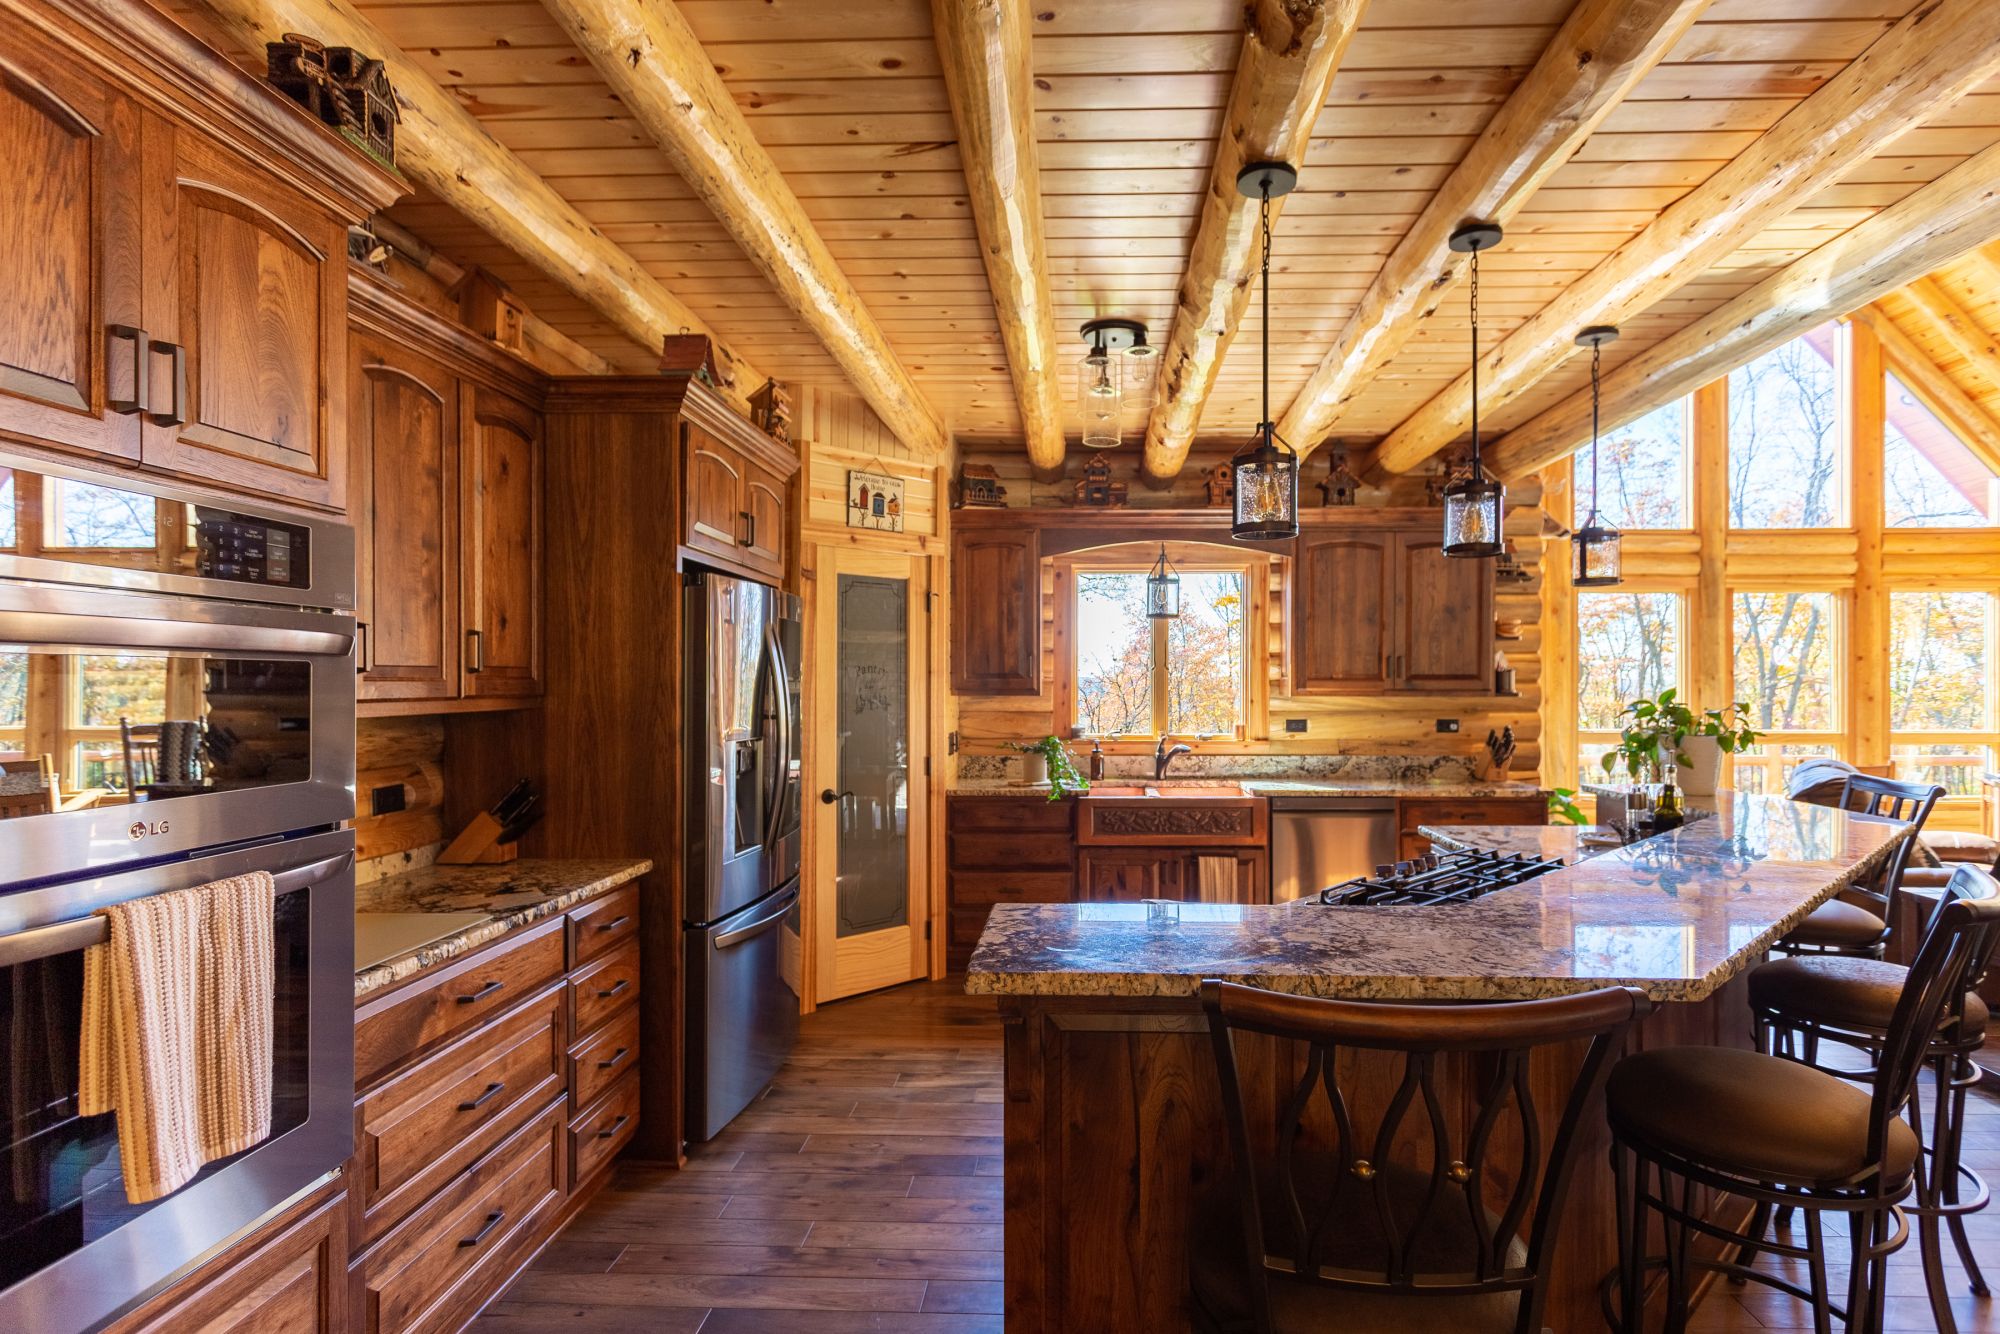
(1096, 761)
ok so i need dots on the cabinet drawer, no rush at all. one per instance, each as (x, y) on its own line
(980, 889)
(425, 1267)
(602, 923)
(421, 1128)
(1009, 815)
(601, 1058)
(603, 988)
(595, 1135)
(984, 852)
(388, 1031)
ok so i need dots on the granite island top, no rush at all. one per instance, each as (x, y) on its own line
(1272, 787)
(511, 895)
(1676, 915)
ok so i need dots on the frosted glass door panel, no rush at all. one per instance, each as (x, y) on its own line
(872, 890)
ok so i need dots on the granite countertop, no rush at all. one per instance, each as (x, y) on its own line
(511, 894)
(1676, 915)
(1561, 841)
(1273, 787)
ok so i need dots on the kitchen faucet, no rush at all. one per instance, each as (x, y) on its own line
(1162, 757)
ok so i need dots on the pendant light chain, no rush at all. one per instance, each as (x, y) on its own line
(1596, 357)
(1264, 282)
(1477, 471)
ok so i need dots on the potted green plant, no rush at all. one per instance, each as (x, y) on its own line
(1664, 731)
(1716, 732)
(1563, 807)
(1048, 761)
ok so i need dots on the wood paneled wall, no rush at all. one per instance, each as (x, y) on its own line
(405, 752)
(1373, 725)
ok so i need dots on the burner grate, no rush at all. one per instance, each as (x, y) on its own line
(1449, 877)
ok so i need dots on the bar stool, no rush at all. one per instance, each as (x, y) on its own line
(1780, 1133)
(1805, 1001)
(1839, 927)
(1338, 1230)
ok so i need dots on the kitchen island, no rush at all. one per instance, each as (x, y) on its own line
(1114, 1140)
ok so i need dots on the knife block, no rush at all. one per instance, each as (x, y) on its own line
(1484, 769)
(478, 844)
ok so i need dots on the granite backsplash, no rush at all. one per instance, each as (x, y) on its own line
(1413, 769)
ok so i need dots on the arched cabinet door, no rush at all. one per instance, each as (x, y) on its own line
(247, 365)
(501, 462)
(70, 290)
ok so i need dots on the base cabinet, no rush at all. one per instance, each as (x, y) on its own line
(290, 1278)
(1127, 875)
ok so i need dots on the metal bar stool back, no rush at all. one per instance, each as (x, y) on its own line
(1841, 926)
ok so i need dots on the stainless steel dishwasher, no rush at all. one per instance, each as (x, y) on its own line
(1321, 841)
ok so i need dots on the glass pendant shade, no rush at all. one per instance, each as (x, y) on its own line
(1473, 507)
(1163, 590)
(1266, 472)
(1100, 395)
(1596, 554)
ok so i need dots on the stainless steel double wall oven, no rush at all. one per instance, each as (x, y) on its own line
(176, 706)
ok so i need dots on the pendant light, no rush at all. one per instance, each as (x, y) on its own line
(1266, 470)
(1473, 505)
(1100, 392)
(1596, 545)
(1163, 589)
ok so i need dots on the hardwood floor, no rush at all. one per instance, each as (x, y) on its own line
(862, 1193)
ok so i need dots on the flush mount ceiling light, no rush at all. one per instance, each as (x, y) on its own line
(1474, 504)
(1163, 589)
(1118, 364)
(1597, 559)
(1266, 470)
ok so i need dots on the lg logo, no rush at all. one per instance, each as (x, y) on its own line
(141, 829)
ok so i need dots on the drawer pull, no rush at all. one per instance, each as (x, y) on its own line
(613, 1128)
(616, 1057)
(623, 983)
(615, 922)
(482, 993)
(492, 1221)
(483, 1098)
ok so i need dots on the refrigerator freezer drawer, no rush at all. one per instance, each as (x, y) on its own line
(742, 1008)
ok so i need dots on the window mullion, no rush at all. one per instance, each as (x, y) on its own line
(1162, 712)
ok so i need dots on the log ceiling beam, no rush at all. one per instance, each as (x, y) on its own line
(1956, 329)
(1923, 232)
(441, 145)
(1925, 63)
(1291, 50)
(1601, 51)
(983, 48)
(647, 53)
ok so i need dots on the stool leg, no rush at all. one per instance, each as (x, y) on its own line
(1628, 1174)
(1747, 1256)
(1678, 1237)
(1868, 1277)
(1950, 1150)
(1928, 1196)
(1816, 1268)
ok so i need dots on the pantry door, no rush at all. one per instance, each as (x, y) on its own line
(871, 693)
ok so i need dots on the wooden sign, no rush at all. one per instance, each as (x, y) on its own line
(874, 501)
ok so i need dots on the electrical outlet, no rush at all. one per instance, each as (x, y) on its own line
(1295, 724)
(386, 800)
(1447, 724)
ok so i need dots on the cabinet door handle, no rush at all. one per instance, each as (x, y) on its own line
(142, 352)
(478, 1102)
(613, 1128)
(749, 527)
(474, 996)
(492, 1221)
(475, 650)
(176, 413)
(623, 983)
(361, 663)
(616, 1057)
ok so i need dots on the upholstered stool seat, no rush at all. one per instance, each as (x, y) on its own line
(1952, 845)
(1835, 925)
(1752, 1115)
(1851, 993)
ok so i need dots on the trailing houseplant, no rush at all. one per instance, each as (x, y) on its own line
(1062, 775)
(1663, 730)
(1562, 805)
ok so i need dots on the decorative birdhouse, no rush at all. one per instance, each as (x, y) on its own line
(979, 488)
(364, 81)
(1341, 485)
(1221, 483)
(771, 408)
(1096, 490)
(297, 68)
(688, 355)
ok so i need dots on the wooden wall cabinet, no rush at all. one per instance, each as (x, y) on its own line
(168, 297)
(1386, 611)
(996, 611)
(502, 605)
(734, 505)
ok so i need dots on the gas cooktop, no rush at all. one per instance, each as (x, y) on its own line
(1440, 877)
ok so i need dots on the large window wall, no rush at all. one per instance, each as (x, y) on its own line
(1810, 537)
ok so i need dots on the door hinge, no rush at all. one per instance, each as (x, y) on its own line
(927, 766)
(927, 928)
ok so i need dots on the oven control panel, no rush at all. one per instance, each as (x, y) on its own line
(246, 549)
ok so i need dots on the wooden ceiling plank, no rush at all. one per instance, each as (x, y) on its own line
(1927, 60)
(1285, 68)
(1957, 330)
(1899, 245)
(983, 47)
(668, 82)
(443, 147)
(1965, 415)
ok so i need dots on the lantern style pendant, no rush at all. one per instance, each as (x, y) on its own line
(1597, 556)
(1163, 590)
(1266, 471)
(1474, 505)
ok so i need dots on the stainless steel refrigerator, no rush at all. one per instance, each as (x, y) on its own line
(742, 740)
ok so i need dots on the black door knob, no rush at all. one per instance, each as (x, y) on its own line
(829, 796)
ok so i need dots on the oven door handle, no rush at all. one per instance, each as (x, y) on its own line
(49, 617)
(42, 942)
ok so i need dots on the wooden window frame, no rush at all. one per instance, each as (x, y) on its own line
(1988, 737)
(1687, 481)
(1838, 739)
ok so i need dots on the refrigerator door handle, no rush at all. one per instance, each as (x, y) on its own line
(781, 760)
(757, 928)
